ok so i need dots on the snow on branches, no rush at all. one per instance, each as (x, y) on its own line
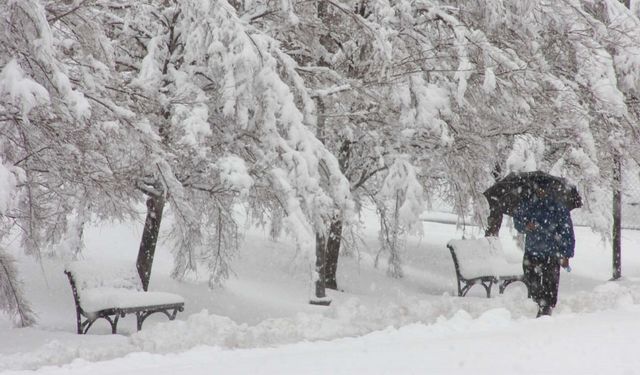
(19, 91)
(296, 110)
(11, 295)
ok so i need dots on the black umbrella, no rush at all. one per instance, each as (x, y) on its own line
(507, 194)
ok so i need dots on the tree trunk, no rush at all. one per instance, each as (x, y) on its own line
(333, 252)
(617, 216)
(321, 296)
(616, 230)
(155, 206)
(335, 229)
(320, 266)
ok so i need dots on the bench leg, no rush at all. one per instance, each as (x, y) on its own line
(114, 324)
(84, 326)
(463, 291)
(487, 287)
(174, 313)
(140, 317)
(502, 286)
(504, 283)
(79, 324)
(485, 284)
(460, 289)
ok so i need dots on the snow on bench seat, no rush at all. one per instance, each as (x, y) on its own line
(96, 299)
(111, 292)
(482, 261)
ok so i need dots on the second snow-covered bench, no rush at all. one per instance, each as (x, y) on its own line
(112, 292)
(482, 261)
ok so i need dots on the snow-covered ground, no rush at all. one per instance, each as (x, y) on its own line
(261, 322)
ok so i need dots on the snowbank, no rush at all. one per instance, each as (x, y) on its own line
(347, 318)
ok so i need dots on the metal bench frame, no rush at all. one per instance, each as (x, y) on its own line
(112, 315)
(487, 282)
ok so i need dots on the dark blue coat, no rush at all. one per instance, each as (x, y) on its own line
(553, 230)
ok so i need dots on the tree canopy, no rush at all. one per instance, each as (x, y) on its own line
(299, 112)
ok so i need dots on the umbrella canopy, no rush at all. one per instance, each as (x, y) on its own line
(506, 194)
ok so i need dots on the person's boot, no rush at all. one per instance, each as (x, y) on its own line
(544, 310)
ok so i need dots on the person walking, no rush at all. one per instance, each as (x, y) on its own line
(549, 243)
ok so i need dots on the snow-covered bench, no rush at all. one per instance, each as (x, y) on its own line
(482, 261)
(112, 292)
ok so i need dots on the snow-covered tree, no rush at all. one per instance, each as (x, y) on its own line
(232, 126)
(56, 120)
(584, 58)
(288, 109)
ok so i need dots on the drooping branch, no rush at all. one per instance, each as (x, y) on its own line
(12, 299)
